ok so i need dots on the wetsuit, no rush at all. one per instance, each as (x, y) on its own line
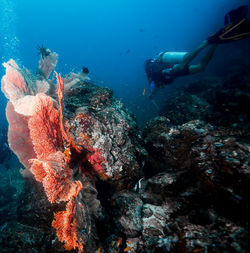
(163, 69)
(154, 70)
(159, 70)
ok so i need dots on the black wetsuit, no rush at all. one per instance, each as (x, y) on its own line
(154, 70)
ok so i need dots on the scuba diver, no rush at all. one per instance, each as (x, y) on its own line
(166, 66)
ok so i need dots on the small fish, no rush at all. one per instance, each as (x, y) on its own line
(119, 242)
(99, 250)
(197, 250)
(67, 154)
(127, 249)
(128, 242)
(144, 92)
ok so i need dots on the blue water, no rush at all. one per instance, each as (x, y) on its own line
(112, 38)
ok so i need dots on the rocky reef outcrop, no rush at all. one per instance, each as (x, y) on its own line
(216, 100)
(203, 180)
(97, 120)
(179, 185)
(83, 150)
(196, 198)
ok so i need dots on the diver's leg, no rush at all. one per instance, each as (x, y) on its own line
(193, 69)
(190, 56)
(178, 68)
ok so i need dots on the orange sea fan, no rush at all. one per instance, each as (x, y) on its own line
(60, 87)
(44, 126)
(13, 83)
(47, 64)
(65, 224)
(58, 185)
(37, 136)
(37, 169)
(51, 168)
(19, 135)
(55, 177)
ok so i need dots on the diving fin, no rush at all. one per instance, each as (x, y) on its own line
(236, 27)
(234, 16)
(233, 32)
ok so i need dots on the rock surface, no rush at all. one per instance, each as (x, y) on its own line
(218, 101)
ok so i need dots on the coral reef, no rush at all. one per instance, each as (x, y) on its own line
(218, 101)
(94, 183)
(70, 150)
(203, 178)
(47, 62)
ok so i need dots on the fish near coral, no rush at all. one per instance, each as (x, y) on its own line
(127, 249)
(119, 242)
(43, 51)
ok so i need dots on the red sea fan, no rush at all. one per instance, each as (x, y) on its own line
(19, 136)
(37, 169)
(47, 64)
(65, 223)
(60, 88)
(55, 177)
(13, 84)
(51, 168)
(37, 136)
(44, 128)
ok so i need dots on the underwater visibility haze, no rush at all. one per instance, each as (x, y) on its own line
(112, 38)
(124, 126)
